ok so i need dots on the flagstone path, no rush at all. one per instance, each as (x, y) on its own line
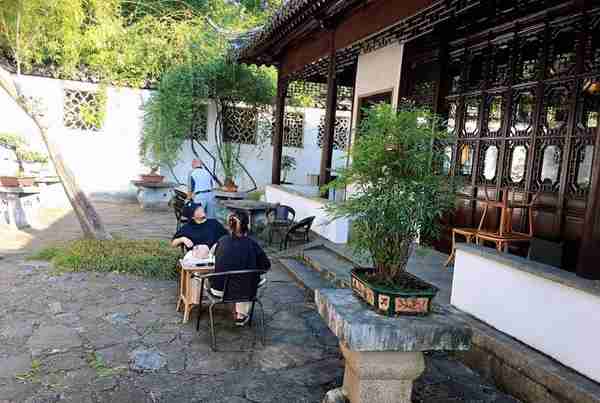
(95, 337)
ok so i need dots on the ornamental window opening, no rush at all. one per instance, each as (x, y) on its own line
(293, 129)
(341, 134)
(83, 110)
(240, 125)
(199, 129)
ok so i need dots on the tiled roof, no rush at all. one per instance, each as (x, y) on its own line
(291, 15)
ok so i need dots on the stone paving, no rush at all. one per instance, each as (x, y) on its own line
(91, 337)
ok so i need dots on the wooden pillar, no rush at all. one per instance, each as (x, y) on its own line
(328, 138)
(278, 132)
(589, 254)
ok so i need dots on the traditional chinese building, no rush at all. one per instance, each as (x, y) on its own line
(518, 82)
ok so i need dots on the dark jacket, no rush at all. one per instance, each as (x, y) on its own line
(238, 254)
(207, 233)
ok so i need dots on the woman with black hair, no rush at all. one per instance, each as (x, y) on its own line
(237, 251)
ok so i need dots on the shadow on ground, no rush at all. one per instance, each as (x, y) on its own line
(97, 337)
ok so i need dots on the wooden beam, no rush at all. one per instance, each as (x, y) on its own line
(589, 254)
(282, 86)
(330, 109)
(371, 18)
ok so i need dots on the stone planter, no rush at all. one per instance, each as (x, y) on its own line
(383, 355)
(152, 178)
(15, 182)
(412, 299)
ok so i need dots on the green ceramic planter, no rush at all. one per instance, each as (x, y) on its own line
(413, 299)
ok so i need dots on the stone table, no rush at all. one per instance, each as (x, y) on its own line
(256, 210)
(154, 195)
(385, 355)
(18, 206)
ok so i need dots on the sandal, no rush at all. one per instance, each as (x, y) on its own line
(242, 320)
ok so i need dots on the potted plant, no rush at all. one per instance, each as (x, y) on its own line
(288, 164)
(21, 153)
(399, 194)
(230, 168)
(153, 176)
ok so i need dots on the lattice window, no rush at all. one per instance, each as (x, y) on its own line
(293, 129)
(341, 133)
(200, 123)
(83, 110)
(314, 95)
(240, 125)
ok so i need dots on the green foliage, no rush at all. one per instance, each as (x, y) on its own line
(256, 195)
(126, 42)
(172, 110)
(399, 194)
(33, 375)
(288, 164)
(20, 146)
(149, 258)
(97, 363)
(230, 152)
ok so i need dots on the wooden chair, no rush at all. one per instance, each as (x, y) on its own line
(297, 232)
(470, 233)
(505, 236)
(239, 286)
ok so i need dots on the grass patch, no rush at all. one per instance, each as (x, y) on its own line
(33, 374)
(148, 258)
(96, 362)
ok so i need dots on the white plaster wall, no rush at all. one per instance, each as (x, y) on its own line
(104, 162)
(553, 318)
(258, 158)
(336, 230)
(377, 72)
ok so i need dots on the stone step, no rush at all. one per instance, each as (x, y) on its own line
(305, 276)
(333, 266)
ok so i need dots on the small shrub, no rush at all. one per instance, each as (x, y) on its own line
(256, 195)
(148, 258)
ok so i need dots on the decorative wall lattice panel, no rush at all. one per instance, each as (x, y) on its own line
(82, 110)
(200, 122)
(314, 95)
(293, 129)
(341, 133)
(240, 125)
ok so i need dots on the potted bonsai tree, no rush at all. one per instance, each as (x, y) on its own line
(22, 154)
(399, 194)
(288, 164)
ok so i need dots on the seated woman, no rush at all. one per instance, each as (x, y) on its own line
(199, 231)
(238, 252)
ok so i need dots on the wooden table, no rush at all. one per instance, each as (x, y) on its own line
(188, 293)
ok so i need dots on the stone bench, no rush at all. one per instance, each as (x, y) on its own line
(385, 355)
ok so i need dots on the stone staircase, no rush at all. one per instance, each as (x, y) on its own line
(317, 265)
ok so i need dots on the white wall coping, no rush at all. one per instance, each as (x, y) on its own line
(537, 269)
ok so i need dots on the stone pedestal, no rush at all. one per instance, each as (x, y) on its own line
(154, 196)
(18, 207)
(384, 355)
(380, 377)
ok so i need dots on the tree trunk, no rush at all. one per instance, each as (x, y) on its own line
(90, 221)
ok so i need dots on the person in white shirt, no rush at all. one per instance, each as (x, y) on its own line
(201, 187)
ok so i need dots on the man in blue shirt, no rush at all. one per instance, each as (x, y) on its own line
(201, 187)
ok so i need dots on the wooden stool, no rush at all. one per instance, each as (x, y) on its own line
(468, 233)
(188, 294)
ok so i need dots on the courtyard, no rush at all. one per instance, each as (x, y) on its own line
(95, 337)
